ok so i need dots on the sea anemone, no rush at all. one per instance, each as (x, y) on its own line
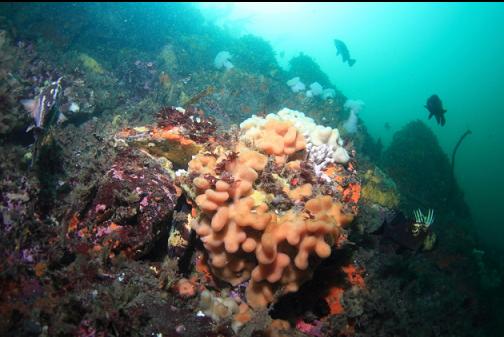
(355, 106)
(222, 60)
(296, 85)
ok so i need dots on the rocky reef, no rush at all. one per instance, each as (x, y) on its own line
(178, 199)
(128, 211)
(417, 164)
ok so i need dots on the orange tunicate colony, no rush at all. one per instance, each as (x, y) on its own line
(280, 139)
(246, 239)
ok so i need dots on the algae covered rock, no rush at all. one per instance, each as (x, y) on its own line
(380, 189)
(90, 63)
(255, 55)
(14, 66)
(130, 208)
(308, 70)
(162, 143)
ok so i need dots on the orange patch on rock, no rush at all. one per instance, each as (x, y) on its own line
(202, 267)
(333, 299)
(72, 224)
(113, 227)
(168, 134)
(330, 170)
(40, 269)
(83, 233)
(354, 275)
(352, 193)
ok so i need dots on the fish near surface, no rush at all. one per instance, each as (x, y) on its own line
(342, 49)
(435, 107)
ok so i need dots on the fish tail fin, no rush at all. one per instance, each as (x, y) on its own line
(351, 62)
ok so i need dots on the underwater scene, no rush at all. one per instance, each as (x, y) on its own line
(251, 169)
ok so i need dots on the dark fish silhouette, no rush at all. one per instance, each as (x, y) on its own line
(435, 107)
(343, 50)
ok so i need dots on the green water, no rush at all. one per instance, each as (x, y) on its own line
(405, 53)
